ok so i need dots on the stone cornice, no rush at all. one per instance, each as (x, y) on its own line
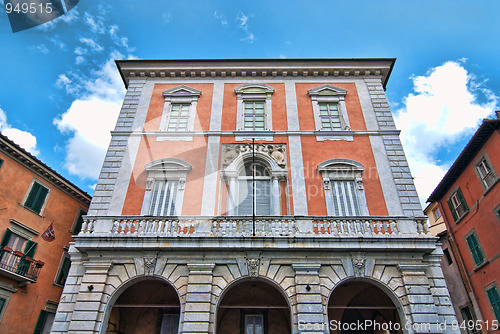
(253, 68)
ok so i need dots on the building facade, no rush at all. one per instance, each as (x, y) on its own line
(255, 196)
(33, 271)
(468, 202)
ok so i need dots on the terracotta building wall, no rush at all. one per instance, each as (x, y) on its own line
(61, 210)
(483, 220)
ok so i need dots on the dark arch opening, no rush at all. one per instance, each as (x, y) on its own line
(253, 307)
(359, 302)
(147, 307)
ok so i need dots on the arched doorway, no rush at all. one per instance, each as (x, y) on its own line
(146, 307)
(253, 307)
(361, 302)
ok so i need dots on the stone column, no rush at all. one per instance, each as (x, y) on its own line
(87, 315)
(309, 308)
(275, 191)
(231, 205)
(197, 315)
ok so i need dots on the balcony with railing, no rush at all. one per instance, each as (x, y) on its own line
(277, 226)
(19, 267)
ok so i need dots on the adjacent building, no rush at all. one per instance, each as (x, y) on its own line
(255, 196)
(33, 271)
(464, 212)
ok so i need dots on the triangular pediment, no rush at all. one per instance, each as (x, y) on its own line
(327, 90)
(181, 91)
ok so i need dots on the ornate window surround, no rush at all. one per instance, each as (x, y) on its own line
(165, 169)
(254, 92)
(343, 170)
(330, 94)
(273, 156)
(179, 95)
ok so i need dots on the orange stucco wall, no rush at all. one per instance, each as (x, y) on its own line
(24, 305)
(481, 217)
(193, 152)
(359, 150)
(314, 152)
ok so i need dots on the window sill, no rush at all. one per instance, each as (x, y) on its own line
(461, 218)
(481, 266)
(36, 213)
(174, 138)
(486, 191)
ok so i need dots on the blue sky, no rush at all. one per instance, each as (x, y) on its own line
(60, 91)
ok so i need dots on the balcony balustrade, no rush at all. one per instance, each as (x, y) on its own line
(17, 266)
(282, 226)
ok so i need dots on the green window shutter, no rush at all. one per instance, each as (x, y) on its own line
(452, 209)
(63, 273)
(40, 323)
(462, 199)
(30, 248)
(494, 298)
(475, 250)
(36, 198)
(2, 304)
(79, 223)
(1, 162)
(6, 237)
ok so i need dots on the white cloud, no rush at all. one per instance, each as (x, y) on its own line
(42, 48)
(447, 104)
(22, 138)
(90, 118)
(95, 23)
(90, 122)
(221, 17)
(79, 60)
(243, 23)
(68, 18)
(92, 44)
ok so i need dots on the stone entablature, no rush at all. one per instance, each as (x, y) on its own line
(363, 68)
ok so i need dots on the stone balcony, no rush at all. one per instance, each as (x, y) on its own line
(263, 227)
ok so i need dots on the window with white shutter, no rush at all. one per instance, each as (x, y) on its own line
(343, 185)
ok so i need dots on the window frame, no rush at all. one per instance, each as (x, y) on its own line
(435, 212)
(266, 180)
(77, 224)
(60, 271)
(253, 312)
(169, 169)
(343, 170)
(458, 196)
(254, 93)
(493, 287)
(484, 160)
(180, 95)
(328, 94)
(28, 195)
(6, 291)
(478, 249)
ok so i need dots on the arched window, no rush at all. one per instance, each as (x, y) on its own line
(253, 179)
(254, 190)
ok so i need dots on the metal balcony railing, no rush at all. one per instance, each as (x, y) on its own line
(19, 267)
(277, 226)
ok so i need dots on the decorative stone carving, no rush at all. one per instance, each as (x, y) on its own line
(276, 151)
(253, 266)
(358, 265)
(149, 266)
